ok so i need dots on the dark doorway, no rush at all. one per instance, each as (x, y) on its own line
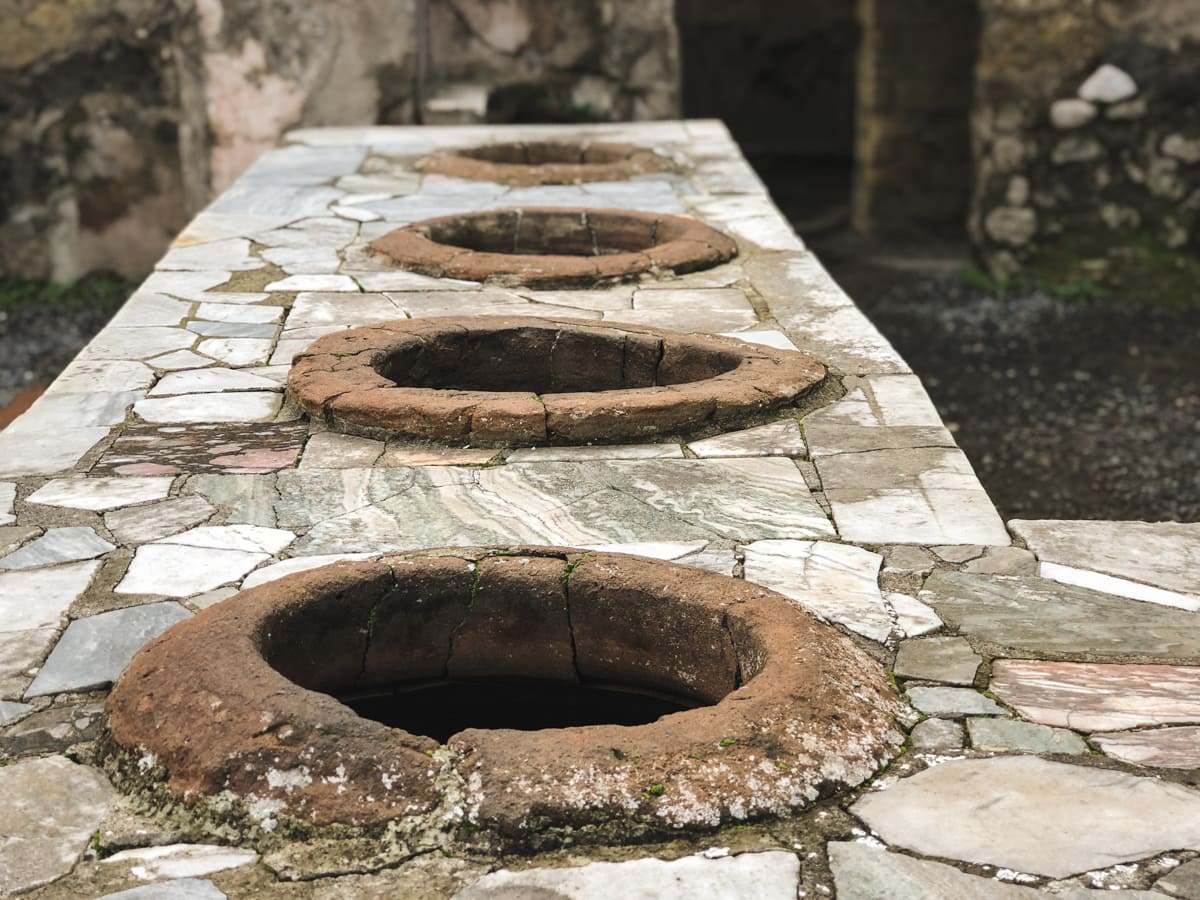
(782, 77)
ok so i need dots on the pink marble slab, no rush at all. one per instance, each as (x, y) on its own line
(1168, 748)
(1098, 696)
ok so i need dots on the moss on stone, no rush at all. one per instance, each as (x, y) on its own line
(1135, 265)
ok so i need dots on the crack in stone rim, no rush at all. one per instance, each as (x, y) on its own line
(500, 162)
(799, 712)
(647, 381)
(644, 244)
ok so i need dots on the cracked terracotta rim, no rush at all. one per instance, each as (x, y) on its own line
(510, 381)
(546, 162)
(235, 703)
(556, 246)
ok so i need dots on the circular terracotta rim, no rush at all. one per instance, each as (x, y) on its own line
(638, 243)
(339, 379)
(214, 708)
(594, 161)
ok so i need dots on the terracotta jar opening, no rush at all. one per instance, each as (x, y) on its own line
(556, 246)
(546, 162)
(524, 359)
(296, 705)
(516, 381)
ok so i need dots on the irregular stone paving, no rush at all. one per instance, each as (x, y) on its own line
(865, 872)
(93, 651)
(771, 876)
(1031, 815)
(1033, 615)
(1099, 696)
(1167, 748)
(165, 469)
(1163, 556)
(50, 808)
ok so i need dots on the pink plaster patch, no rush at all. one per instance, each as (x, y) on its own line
(249, 107)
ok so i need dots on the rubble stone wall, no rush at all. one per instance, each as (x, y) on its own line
(122, 118)
(1087, 139)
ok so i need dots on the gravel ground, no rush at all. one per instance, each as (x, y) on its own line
(1067, 408)
(42, 327)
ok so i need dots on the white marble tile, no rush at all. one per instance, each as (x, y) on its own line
(178, 570)
(291, 202)
(201, 381)
(782, 438)
(315, 283)
(1108, 584)
(8, 497)
(480, 303)
(234, 298)
(599, 299)
(728, 299)
(920, 496)
(913, 618)
(836, 581)
(232, 254)
(233, 312)
(234, 330)
(770, 231)
(296, 564)
(286, 349)
(352, 200)
(145, 309)
(180, 359)
(58, 411)
(237, 351)
(143, 524)
(248, 406)
(209, 226)
(408, 281)
(305, 260)
(39, 598)
(137, 342)
(323, 232)
(109, 376)
(185, 285)
(249, 538)
(601, 451)
(1165, 555)
(58, 545)
(179, 861)
(330, 450)
(100, 494)
(893, 401)
(45, 452)
(685, 319)
(276, 374)
(302, 166)
(390, 185)
(341, 309)
(211, 598)
(356, 213)
(765, 337)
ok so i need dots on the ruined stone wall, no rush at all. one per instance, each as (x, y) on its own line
(121, 118)
(559, 60)
(89, 135)
(1087, 139)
